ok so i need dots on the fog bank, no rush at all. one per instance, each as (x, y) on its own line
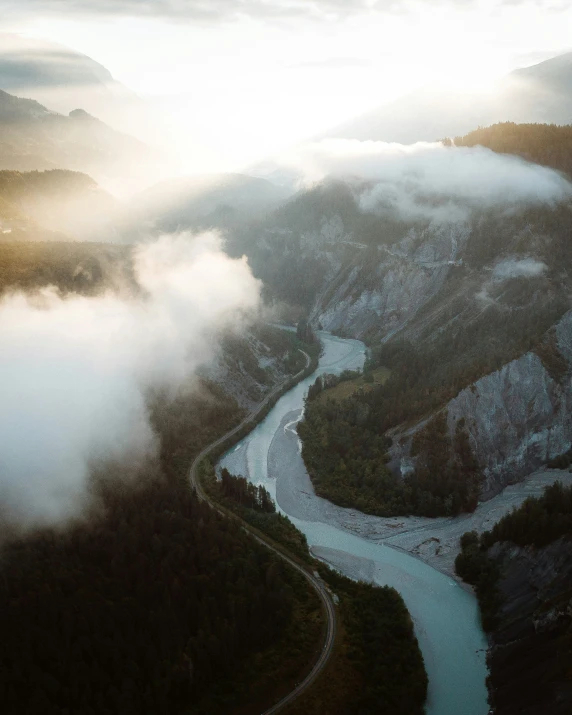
(75, 371)
(430, 181)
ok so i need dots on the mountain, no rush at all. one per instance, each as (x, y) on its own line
(201, 202)
(470, 315)
(541, 93)
(63, 79)
(72, 267)
(35, 203)
(34, 137)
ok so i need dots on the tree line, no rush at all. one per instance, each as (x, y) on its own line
(546, 144)
(153, 602)
(378, 667)
(346, 453)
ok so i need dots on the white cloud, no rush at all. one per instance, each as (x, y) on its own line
(219, 10)
(430, 180)
(75, 372)
(524, 268)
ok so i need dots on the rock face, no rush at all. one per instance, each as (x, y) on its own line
(385, 286)
(530, 659)
(518, 417)
(247, 368)
(371, 276)
(475, 294)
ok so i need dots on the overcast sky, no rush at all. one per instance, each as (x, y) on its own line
(248, 77)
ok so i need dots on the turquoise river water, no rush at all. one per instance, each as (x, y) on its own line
(445, 615)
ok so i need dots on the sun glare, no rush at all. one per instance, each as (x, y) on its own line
(235, 91)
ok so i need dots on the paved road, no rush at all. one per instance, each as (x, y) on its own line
(314, 581)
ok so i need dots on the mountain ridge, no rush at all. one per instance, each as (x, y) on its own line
(36, 138)
(538, 93)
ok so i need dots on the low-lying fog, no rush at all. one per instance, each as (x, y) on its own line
(75, 372)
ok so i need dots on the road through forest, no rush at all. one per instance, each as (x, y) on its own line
(314, 581)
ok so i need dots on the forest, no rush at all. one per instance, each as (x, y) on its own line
(377, 667)
(346, 457)
(153, 602)
(546, 144)
(150, 604)
(255, 506)
(521, 570)
(86, 268)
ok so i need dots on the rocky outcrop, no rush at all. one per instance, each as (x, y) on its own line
(530, 655)
(471, 294)
(517, 418)
(378, 275)
(384, 287)
(247, 369)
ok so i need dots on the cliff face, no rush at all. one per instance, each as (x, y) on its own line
(530, 658)
(517, 418)
(379, 277)
(384, 287)
(352, 271)
(249, 367)
(475, 294)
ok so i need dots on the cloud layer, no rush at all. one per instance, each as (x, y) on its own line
(75, 372)
(218, 10)
(430, 181)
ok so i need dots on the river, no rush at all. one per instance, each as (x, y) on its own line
(445, 615)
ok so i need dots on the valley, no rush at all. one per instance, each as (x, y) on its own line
(270, 456)
(289, 433)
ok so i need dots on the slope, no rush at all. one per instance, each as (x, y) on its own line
(540, 93)
(34, 137)
(36, 203)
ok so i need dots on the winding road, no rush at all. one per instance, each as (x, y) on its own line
(314, 581)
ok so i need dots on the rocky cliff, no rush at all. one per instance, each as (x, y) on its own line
(382, 288)
(474, 293)
(517, 418)
(249, 367)
(376, 277)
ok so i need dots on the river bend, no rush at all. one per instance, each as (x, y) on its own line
(445, 615)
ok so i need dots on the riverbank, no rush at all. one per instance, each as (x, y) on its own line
(394, 674)
(434, 541)
(445, 616)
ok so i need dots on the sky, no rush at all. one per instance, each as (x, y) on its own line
(241, 79)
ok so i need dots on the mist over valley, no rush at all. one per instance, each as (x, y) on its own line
(286, 358)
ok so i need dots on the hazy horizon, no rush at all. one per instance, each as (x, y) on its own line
(221, 89)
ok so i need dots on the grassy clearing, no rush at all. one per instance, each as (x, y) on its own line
(347, 388)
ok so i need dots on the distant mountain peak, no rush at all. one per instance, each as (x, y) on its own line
(62, 78)
(539, 93)
(35, 138)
